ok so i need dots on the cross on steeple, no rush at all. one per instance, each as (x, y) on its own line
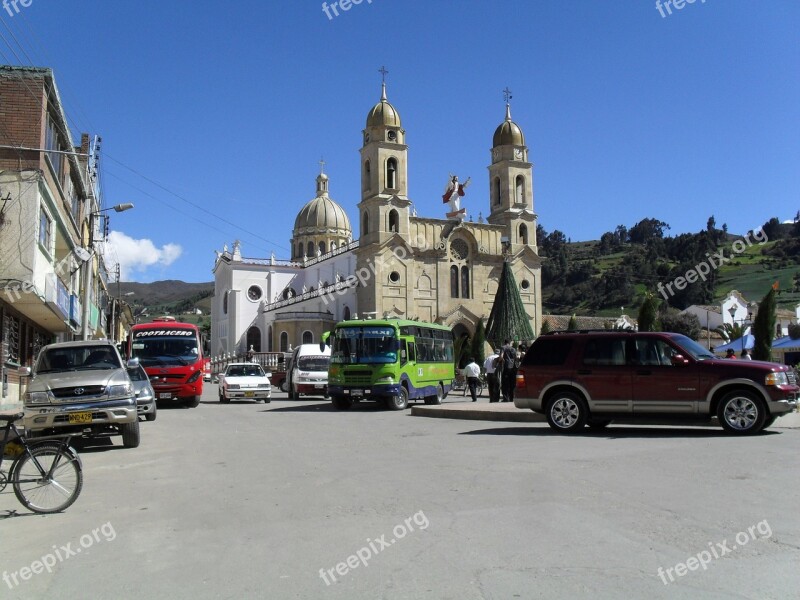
(507, 94)
(383, 73)
(322, 166)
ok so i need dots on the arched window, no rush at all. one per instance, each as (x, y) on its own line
(367, 176)
(270, 344)
(322, 247)
(391, 173)
(497, 197)
(254, 339)
(284, 341)
(523, 234)
(394, 221)
(308, 337)
(454, 281)
(333, 246)
(465, 282)
(346, 315)
(365, 224)
(310, 252)
(300, 250)
(520, 198)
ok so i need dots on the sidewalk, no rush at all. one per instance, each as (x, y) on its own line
(506, 411)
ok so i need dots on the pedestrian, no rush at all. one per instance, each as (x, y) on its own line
(731, 353)
(472, 371)
(508, 359)
(491, 366)
(746, 355)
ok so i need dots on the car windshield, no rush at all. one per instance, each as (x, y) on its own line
(165, 351)
(313, 363)
(364, 345)
(695, 350)
(78, 358)
(245, 371)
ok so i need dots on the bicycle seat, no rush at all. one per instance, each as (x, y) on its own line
(12, 417)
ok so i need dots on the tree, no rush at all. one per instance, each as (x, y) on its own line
(648, 314)
(764, 327)
(684, 323)
(730, 332)
(794, 331)
(545, 327)
(478, 343)
(646, 231)
(573, 324)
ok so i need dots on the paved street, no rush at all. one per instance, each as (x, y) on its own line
(250, 500)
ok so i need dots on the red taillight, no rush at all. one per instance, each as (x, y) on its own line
(520, 379)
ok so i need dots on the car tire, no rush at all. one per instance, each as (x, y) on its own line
(599, 423)
(193, 402)
(341, 403)
(294, 395)
(130, 434)
(398, 402)
(151, 416)
(567, 412)
(742, 413)
(769, 422)
(284, 386)
(437, 399)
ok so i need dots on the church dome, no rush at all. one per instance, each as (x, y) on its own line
(383, 114)
(322, 215)
(508, 133)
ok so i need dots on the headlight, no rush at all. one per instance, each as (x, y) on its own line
(37, 398)
(387, 379)
(145, 394)
(120, 390)
(233, 386)
(195, 376)
(264, 385)
(778, 378)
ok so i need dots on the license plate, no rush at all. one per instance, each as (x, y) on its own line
(80, 418)
(357, 392)
(249, 394)
(319, 386)
(165, 396)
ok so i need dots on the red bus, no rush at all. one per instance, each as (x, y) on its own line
(172, 356)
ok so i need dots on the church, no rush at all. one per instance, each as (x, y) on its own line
(401, 265)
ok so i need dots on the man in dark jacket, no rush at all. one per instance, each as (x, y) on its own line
(508, 361)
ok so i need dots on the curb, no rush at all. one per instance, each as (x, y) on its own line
(509, 413)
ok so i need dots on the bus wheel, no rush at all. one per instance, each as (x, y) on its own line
(398, 402)
(193, 402)
(437, 399)
(341, 403)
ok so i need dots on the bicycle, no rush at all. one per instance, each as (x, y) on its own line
(46, 474)
(460, 384)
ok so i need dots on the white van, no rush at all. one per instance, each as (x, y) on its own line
(308, 371)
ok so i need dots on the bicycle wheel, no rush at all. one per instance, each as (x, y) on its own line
(43, 494)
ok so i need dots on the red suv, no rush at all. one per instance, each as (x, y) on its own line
(593, 377)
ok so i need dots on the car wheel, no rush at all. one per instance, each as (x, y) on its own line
(769, 422)
(341, 403)
(599, 423)
(130, 434)
(398, 402)
(193, 402)
(151, 416)
(284, 386)
(742, 413)
(567, 412)
(295, 395)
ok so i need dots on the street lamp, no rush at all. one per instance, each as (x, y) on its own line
(87, 278)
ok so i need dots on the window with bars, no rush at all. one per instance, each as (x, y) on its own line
(11, 339)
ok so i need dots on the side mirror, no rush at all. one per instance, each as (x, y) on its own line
(132, 363)
(269, 373)
(679, 359)
(24, 371)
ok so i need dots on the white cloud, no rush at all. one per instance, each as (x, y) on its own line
(137, 255)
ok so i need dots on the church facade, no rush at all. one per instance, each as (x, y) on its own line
(402, 265)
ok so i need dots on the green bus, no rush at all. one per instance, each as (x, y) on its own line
(390, 361)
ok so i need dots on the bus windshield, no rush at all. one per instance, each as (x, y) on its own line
(165, 351)
(364, 345)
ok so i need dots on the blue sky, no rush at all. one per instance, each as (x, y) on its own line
(214, 115)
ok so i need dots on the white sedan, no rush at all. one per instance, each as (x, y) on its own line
(246, 381)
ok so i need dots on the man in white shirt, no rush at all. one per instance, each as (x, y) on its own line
(492, 376)
(472, 371)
